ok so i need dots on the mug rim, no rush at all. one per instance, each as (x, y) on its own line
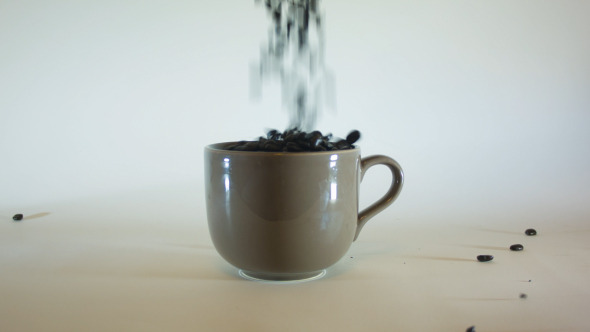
(218, 147)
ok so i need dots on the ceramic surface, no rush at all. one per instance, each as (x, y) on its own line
(288, 216)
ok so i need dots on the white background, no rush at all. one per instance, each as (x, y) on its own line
(485, 104)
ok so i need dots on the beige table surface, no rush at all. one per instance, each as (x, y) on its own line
(143, 261)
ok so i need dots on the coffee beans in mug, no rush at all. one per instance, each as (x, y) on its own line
(295, 140)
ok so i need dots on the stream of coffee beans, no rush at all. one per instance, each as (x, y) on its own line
(295, 55)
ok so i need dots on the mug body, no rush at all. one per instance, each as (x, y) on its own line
(281, 215)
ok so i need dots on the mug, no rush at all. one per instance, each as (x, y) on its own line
(288, 215)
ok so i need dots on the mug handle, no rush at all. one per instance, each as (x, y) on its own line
(389, 197)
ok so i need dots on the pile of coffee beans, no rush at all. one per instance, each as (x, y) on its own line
(295, 140)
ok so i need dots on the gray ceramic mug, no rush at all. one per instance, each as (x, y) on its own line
(288, 215)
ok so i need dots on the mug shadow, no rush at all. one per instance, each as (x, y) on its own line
(36, 215)
(495, 230)
(333, 272)
(440, 258)
(484, 247)
(209, 270)
(484, 299)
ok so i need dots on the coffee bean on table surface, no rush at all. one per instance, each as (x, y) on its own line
(523, 296)
(17, 217)
(516, 247)
(470, 329)
(485, 258)
(530, 232)
(295, 140)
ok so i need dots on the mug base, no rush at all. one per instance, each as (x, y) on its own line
(281, 277)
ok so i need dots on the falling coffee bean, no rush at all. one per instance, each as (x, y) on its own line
(485, 258)
(17, 217)
(530, 232)
(470, 329)
(516, 247)
(353, 136)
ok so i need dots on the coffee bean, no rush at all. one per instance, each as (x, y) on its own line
(295, 140)
(530, 232)
(523, 296)
(516, 247)
(303, 144)
(353, 136)
(470, 329)
(236, 146)
(273, 134)
(316, 143)
(342, 145)
(17, 217)
(313, 6)
(251, 146)
(231, 146)
(314, 135)
(277, 15)
(319, 148)
(293, 147)
(485, 258)
(272, 146)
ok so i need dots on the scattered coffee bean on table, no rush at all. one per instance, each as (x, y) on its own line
(470, 329)
(485, 258)
(17, 217)
(530, 232)
(295, 140)
(523, 296)
(516, 247)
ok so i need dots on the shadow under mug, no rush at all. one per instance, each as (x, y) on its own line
(288, 215)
